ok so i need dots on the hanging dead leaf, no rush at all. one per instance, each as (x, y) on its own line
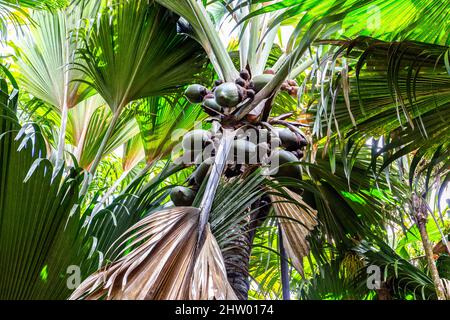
(163, 263)
(297, 222)
(209, 280)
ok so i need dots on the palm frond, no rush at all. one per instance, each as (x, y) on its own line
(139, 199)
(194, 12)
(395, 92)
(46, 54)
(297, 219)
(15, 12)
(163, 121)
(133, 153)
(403, 277)
(421, 20)
(167, 241)
(152, 61)
(96, 129)
(39, 230)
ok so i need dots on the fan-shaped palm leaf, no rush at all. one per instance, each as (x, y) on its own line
(153, 60)
(421, 20)
(39, 231)
(99, 123)
(162, 122)
(133, 153)
(395, 92)
(404, 277)
(164, 264)
(46, 55)
(204, 31)
(15, 11)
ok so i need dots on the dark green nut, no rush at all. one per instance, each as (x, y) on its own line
(195, 93)
(250, 93)
(259, 82)
(196, 140)
(241, 82)
(257, 135)
(284, 157)
(244, 151)
(228, 95)
(201, 172)
(211, 107)
(289, 140)
(189, 156)
(205, 154)
(263, 150)
(299, 154)
(182, 196)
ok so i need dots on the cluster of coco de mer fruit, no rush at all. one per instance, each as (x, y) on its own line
(255, 144)
(225, 97)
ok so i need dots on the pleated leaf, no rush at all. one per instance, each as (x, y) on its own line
(163, 121)
(163, 263)
(133, 51)
(46, 54)
(125, 129)
(39, 231)
(297, 219)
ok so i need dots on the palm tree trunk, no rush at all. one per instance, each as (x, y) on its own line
(421, 214)
(284, 266)
(384, 293)
(237, 258)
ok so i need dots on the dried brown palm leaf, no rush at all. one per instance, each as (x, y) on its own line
(163, 263)
(209, 281)
(297, 220)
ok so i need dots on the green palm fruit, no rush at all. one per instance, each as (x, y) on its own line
(263, 149)
(182, 196)
(284, 157)
(189, 156)
(289, 140)
(196, 140)
(211, 107)
(259, 82)
(228, 95)
(204, 154)
(244, 151)
(257, 135)
(202, 170)
(251, 93)
(195, 93)
(298, 153)
(303, 142)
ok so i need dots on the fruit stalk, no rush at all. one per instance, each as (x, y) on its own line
(214, 179)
